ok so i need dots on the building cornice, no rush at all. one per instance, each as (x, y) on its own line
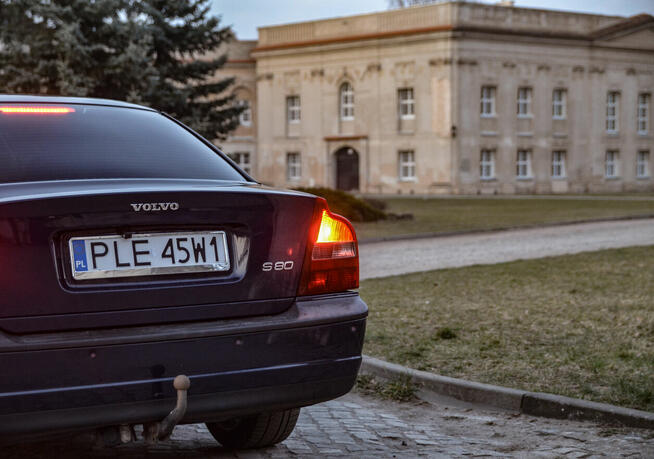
(345, 138)
(241, 61)
(350, 38)
(586, 39)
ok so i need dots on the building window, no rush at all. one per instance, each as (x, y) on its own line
(612, 107)
(558, 164)
(242, 159)
(523, 169)
(293, 166)
(487, 165)
(524, 102)
(245, 118)
(293, 110)
(407, 103)
(559, 99)
(611, 165)
(642, 164)
(487, 101)
(643, 114)
(407, 166)
(347, 101)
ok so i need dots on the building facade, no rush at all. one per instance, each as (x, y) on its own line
(452, 97)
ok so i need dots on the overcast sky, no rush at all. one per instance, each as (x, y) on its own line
(246, 15)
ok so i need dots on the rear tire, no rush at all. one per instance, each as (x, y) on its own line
(256, 431)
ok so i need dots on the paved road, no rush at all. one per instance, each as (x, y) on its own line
(380, 259)
(366, 427)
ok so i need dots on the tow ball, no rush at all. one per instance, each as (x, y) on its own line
(155, 431)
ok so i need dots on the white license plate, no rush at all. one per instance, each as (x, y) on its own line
(96, 257)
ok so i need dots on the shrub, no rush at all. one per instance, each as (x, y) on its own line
(376, 203)
(350, 207)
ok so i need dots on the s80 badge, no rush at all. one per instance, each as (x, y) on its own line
(277, 266)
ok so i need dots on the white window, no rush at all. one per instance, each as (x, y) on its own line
(487, 165)
(558, 164)
(245, 118)
(642, 164)
(643, 114)
(293, 166)
(611, 165)
(242, 159)
(524, 102)
(559, 108)
(523, 169)
(293, 109)
(487, 101)
(407, 165)
(612, 108)
(407, 103)
(347, 101)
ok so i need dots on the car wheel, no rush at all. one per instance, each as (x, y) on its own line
(256, 431)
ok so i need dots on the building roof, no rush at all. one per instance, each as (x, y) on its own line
(627, 24)
(439, 17)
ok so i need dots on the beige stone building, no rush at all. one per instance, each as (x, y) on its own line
(454, 97)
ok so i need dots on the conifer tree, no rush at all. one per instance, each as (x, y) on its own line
(151, 52)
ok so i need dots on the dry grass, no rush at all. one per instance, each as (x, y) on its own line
(435, 215)
(579, 325)
(400, 389)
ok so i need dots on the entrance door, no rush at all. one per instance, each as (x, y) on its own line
(347, 169)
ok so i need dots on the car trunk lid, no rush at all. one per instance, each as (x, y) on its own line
(40, 293)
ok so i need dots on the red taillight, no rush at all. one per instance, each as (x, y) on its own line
(35, 110)
(331, 263)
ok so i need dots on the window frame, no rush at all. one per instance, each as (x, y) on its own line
(293, 109)
(238, 157)
(487, 164)
(487, 100)
(524, 163)
(561, 103)
(559, 163)
(642, 113)
(524, 99)
(406, 103)
(613, 164)
(346, 101)
(642, 164)
(408, 164)
(293, 167)
(612, 112)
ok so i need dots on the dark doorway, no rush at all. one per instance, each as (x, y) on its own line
(347, 169)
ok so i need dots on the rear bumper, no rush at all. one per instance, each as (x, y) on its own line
(79, 380)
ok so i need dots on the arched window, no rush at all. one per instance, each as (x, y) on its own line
(347, 101)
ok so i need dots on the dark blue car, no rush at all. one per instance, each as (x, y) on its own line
(132, 251)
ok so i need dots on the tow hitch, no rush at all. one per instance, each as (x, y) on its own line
(155, 431)
(152, 431)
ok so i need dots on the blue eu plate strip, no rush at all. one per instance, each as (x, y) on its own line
(79, 255)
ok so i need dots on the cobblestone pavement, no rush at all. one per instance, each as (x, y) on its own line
(380, 259)
(366, 427)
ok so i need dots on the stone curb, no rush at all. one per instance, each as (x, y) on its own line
(532, 403)
(409, 237)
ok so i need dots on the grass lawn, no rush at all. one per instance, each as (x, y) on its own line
(579, 325)
(433, 215)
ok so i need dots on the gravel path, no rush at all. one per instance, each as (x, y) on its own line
(367, 427)
(381, 259)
